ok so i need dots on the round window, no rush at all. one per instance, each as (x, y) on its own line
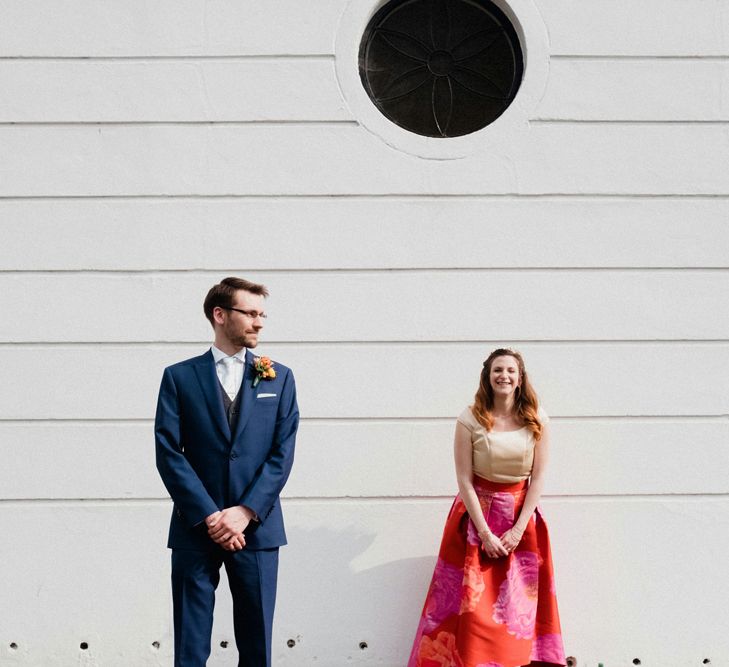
(441, 68)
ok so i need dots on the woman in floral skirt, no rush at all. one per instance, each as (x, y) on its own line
(492, 602)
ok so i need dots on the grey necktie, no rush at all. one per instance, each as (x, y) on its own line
(227, 375)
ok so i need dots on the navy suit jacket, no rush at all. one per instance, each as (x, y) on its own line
(207, 468)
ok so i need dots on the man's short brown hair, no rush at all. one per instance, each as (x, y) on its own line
(222, 294)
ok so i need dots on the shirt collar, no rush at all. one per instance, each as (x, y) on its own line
(219, 354)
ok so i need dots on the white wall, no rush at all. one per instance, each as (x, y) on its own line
(149, 149)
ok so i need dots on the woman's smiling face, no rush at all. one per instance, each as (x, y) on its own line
(504, 376)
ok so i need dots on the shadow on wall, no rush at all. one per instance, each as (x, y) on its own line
(346, 598)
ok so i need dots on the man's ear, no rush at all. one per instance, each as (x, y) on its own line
(218, 315)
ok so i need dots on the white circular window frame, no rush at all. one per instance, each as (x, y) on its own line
(508, 129)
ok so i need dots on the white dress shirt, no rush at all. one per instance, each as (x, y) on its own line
(229, 370)
(231, 381)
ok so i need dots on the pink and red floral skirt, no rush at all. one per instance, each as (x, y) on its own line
(490, 612)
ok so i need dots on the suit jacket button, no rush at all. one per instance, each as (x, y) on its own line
(234, 455)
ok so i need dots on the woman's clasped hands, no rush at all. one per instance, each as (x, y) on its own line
(496, 547)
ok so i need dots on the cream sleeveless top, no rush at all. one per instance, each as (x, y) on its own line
(505, 456)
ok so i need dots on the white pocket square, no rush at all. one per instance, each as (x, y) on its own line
(265, 395)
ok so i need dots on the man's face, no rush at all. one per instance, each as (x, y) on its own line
(241, 329)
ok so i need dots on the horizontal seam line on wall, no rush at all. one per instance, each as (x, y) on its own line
(376, 343)
(332, 121)
(414, 196)
(624, 121)
(181, 58)
(373, 499)
(412, 421)
(426, 270)
(172, 123)
(569, 497)
(331, 56)
(638, 57)
(149, 421)
(388, 269)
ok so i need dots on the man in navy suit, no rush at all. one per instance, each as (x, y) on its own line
(225, 431)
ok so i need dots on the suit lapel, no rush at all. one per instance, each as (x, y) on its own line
(208, 378)
(248, 395)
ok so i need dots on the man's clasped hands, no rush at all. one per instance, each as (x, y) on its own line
(226, 527)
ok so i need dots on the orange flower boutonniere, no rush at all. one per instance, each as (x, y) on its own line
(264, 369)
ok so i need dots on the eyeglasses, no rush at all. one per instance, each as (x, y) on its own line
(253, 314)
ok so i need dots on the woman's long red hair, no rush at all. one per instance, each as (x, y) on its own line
(526, 403)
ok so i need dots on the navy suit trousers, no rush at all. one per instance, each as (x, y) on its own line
(252, 579)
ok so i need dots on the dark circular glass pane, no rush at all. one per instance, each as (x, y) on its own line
(441, 68)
